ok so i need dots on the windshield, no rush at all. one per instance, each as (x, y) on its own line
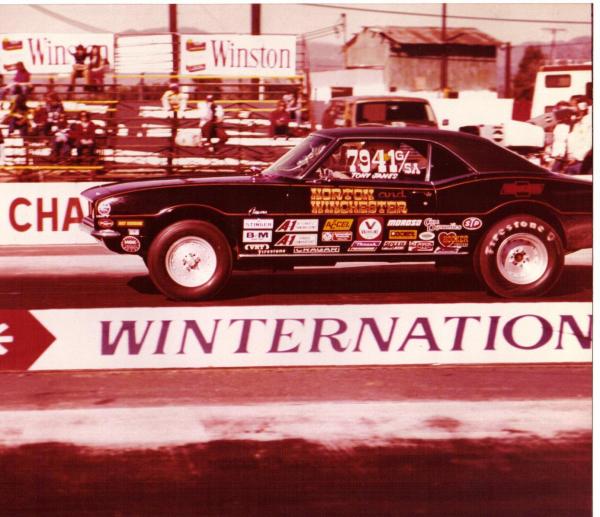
(295, 162)
(389, 112)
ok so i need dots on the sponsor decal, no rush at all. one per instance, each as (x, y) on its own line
(336, 236)
(472, 223)
(133, 231)
(364, 246)
(131, 244)
(106, 223)
(130, 224)
(299, 225)
(420, 246)
(403, 235)
(404, 222)
(447, 249)
(394, 246)
(104, 208)
(356, 200)
(522, 189)
(255, 247)
(306, 250)
(426, 236)
(298, 239)
(433, 225)
(271, 252)
(256, 211)
(196, 68)
(258, 236)
(452, 239)
(294, 335)
(396, 194)
(258, 224)
(338, 225)
(370, 228)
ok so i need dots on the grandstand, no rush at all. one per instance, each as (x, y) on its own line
(136, 135)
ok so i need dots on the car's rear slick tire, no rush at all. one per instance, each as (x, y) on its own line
(190, 260)
(518, 256)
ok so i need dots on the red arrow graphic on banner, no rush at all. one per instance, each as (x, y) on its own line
(23, 339)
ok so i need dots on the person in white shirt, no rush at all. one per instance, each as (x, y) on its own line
(211, 120)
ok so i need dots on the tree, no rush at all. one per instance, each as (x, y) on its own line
(524, 80)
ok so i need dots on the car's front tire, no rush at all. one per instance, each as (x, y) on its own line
(190, 260)
(520, 255)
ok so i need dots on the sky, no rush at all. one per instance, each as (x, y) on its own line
(292, 18)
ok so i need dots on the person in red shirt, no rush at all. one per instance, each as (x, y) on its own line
(83, 134)
(280, 120)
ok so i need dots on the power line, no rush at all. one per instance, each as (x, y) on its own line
(67, 20)
(456, 17)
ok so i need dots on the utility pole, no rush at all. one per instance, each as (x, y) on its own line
(444, 65)
(507, 70)
(344, 25)
(255, 21)
(553, 45)
(174, 37)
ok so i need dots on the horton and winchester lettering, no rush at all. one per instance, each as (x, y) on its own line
(318, 335)
(346, 201)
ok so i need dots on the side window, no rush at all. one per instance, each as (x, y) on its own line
(377, 160)
(445, 165)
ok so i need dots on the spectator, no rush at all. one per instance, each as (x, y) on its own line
(61, 139)
(17, 118)
(54, 108)
(83, 134)
(579, 141)
(97, 66)
(211, 122)
(173, 101)
(39, 121)
(329, 117)
(21, 79)
(280, 120)
(79, 66)
(293, 106)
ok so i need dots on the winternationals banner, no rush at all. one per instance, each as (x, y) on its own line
(42, 213)
(314, 335)
(49, 53)
(238, 55)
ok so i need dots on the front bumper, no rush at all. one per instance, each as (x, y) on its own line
(87, 225)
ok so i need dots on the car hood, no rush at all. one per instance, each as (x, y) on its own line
(120, 188)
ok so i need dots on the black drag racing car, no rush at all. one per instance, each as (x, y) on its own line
(371, 193)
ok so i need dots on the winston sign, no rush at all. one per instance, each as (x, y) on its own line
(47, 53)
(238, 55)
(200, 337)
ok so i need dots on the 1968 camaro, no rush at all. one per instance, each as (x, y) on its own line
(370, 193)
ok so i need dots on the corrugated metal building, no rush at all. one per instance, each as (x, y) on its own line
(411, 57)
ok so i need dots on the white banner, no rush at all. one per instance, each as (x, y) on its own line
(43, 213)
(238, 55)
(188, 337)
(50, 53)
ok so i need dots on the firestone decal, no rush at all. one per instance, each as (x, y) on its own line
(328, 200)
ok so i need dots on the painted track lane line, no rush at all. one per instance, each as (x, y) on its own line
(335, 425)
